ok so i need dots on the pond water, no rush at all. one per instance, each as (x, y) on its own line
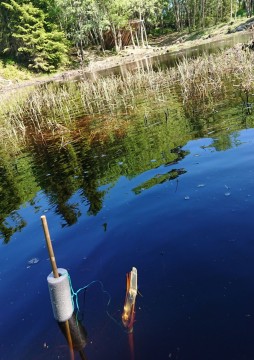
(172, 58)
(174, 199)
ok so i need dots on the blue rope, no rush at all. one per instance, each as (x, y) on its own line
(74, 297)
(75, 294)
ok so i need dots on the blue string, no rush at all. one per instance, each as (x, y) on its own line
(75, 296)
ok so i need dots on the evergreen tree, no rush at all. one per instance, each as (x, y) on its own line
(32, 40)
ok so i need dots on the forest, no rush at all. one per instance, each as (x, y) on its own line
(44, 35)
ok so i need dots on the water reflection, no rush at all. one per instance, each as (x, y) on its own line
(78, 334)
(78, 175)
(170, 59)
(17, 187)
(159, 179)
(131, 345)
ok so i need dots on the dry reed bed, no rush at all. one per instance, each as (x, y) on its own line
(55, 108)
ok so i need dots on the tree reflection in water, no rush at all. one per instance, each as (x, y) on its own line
(80, 172)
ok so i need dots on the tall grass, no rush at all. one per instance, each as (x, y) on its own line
(204, 80)
(61, 108)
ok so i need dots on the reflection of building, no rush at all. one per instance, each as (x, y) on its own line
(134, 34)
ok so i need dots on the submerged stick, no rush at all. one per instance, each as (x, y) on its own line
(69, 339)
(82, 355)
(56, 275)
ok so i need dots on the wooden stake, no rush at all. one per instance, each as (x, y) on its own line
(69, 339)
(56, 275)
(82, 355)
(49, 245)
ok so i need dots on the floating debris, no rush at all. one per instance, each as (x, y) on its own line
(227, 193)
(187, 198)
(200, 185)
(33, 261)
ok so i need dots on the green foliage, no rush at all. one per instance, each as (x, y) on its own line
(17, 187)
(35, 32)
(9, 70)
(241, 12)
(32, 40)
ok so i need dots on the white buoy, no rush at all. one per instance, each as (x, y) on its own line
(65, 309)
(60, 295)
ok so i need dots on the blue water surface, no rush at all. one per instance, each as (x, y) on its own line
(191, 240)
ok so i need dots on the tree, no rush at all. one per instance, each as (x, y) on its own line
(31, 39)
(148, 12)
(249, 5)
(117, 16)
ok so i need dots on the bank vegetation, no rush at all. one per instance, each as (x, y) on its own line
(45, 35)
(56, 109)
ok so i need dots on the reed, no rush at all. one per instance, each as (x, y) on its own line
(204, 81)
(62, 108)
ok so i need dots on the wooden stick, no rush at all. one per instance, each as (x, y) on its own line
(69, 339)
(56, 275)
(82, 355)
(49, 245)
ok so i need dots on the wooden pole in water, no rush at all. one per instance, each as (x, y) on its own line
(56, 275)
(82, 355)
(49, 246)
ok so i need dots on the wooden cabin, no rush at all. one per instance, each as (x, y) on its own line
(133, 35)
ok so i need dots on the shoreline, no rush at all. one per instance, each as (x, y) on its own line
(170, 44)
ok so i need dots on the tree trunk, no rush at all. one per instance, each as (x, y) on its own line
(144, 28)
(194, 14)
(141, 28)
(132, 38)
(102, 42)
(203, 13)
(177, 15)
(136, 34)
(117, 38)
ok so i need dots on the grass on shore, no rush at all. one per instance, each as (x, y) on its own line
(54, 109)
